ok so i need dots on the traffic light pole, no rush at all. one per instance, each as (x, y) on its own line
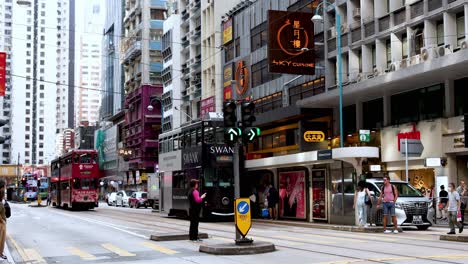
(236, 163)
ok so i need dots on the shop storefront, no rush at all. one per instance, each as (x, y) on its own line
(454, 147)
(422, 173)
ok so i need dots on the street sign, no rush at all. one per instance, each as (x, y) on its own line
(242, 217)
(250, 133)
(324, 154)
(415, 147)
(364, 135)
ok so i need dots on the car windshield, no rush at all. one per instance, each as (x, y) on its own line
(144, 195)
(129, 193)
(404, 190)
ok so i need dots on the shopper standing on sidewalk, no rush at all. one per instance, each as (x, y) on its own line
(2, 220)
(195, 207)
(464, 202)
(360, 196)
(453, 208)
(443, 200)
(273, 198)
(389, 195)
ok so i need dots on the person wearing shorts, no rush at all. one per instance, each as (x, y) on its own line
(389, 196)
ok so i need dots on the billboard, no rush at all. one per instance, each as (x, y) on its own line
(207, 105)
(292, 194)
(291, 42)
(227, 31)
(3, 56)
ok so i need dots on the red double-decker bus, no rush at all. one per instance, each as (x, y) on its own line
(74, 182)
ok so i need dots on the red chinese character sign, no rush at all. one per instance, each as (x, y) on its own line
(291, 42)
(2, 73)
(242, 78)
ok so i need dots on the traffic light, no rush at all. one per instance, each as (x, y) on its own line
(229, 111)
(248, 113)
(23, 181)
(232, 134)
(250, 134)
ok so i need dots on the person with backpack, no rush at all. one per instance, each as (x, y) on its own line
(195, 207)
(273, 198)
(389, 196)
(362, 198)
(4, 209)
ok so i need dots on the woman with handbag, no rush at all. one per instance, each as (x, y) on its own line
(362, 198)
(3, 218)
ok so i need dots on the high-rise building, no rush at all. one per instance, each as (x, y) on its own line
(35, 25)
(65, 65)
(88, 93)
(5, 101)
(112, 71)
(140, 53)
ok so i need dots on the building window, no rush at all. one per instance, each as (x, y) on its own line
(268, 103)
(460, 28)
(388, 46)
(237, 44)
(349, 119)
(229, 52)
(259, 36)
(305, 90)
(157, 14)
(373, 114)
(461, 93)
(404, 40)
(440, 33)
(421, 104)
(27, 128)
(260, 73)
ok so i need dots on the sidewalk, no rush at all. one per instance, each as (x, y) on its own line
(7, 253)
(348, 228)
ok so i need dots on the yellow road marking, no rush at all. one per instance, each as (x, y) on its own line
(159, 248)
(336, 238)
(117, 250)
(80, 253)
(34, 256)
(304, 240)
(18, 249)
(448, 257)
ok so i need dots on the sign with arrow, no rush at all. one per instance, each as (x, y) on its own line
(415, 147)
(231, 134)
(242, 214)
(250, 133)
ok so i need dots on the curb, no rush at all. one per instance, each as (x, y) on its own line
(175, 236)
(233, 249)
(455, 238)
(370, 229)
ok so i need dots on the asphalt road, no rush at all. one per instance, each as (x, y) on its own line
(120, 235)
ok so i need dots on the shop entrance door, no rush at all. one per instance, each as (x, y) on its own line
(318, 199)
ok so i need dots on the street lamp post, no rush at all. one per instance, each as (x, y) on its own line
(319, 18)
(150, 108)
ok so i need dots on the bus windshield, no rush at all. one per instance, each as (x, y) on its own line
(218, 177)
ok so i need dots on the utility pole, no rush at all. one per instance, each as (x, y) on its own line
(17, 175)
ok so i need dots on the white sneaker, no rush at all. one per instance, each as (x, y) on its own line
(387, 232)
(366, 225)
(395, 231)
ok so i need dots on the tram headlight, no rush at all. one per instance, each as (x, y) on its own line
(225, 201)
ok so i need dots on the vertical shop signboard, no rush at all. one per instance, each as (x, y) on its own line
(292, 194)
(2, 73)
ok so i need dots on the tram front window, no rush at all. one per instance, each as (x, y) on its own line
(218, 177)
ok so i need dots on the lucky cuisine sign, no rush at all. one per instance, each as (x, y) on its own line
(291, 42)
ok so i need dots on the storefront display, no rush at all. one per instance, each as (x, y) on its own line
(318, 195)
(292, 194)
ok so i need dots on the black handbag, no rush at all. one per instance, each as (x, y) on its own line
(7, 207)
(367, 200)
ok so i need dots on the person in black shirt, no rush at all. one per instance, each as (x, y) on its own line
(273, 197)
(443, 200)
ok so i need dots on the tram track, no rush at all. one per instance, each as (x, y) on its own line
(162, 223)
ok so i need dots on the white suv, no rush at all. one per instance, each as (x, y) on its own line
(122, 198)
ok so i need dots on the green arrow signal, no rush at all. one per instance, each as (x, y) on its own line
(251, 134)
(233, 133)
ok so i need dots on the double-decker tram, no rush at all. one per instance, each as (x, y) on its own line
(74, 180)
(196, 151)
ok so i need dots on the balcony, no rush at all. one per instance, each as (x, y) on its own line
(156, 24)
(384, 23)
(130, 49)
(155, 45)
(158, 4)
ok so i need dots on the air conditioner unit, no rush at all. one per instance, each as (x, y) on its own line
(344, 28)
(361, 77)
(443, 50)
(394, 66)
(404, 63)
(357, 13)
(415, 60)
(464, 45)
(377, 71)
(428, 53)
(332, 32)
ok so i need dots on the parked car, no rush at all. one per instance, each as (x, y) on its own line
(139, 199)
(412, 208)
(122, 198)
(111, 199)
